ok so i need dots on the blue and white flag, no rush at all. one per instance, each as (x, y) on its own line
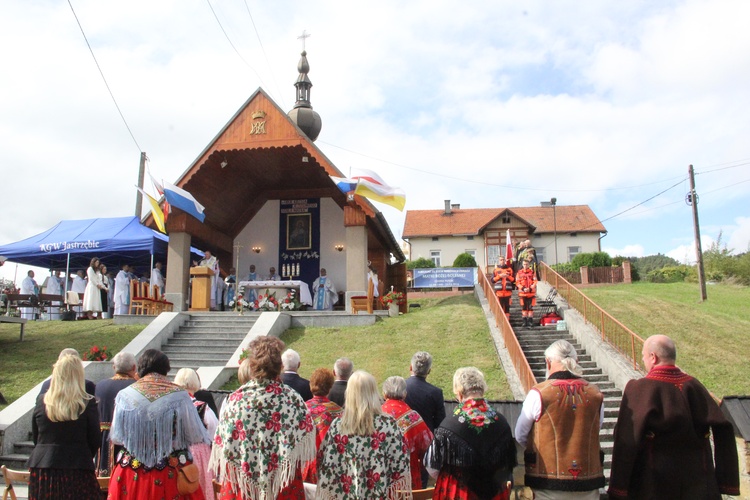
(178, 197)
(344, 184)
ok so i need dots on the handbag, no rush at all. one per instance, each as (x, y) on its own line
(188, 479)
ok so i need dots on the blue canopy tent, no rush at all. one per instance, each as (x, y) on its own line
(71, 244)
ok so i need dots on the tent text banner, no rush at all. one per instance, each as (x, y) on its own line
(445, 277)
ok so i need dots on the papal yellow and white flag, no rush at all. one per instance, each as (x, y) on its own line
(370, 185)
(155, 210)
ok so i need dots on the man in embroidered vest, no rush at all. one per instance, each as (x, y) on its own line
(559, 427)
(663, 435)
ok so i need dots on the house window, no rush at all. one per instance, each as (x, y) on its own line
(434, 238)
(470, 238)
(435, 256)
(472, 252)
(572, 252)
(540, 255)
(573, 235)
(493, 252)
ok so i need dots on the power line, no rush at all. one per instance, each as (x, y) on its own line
(103, 78)
(230, 43)
(484, 183)
(746, 162)
(263, 49)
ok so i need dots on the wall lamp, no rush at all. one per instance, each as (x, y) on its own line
(339, 247)
(256, 249)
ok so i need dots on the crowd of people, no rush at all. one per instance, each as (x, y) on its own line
(103, 294)
(340, 436)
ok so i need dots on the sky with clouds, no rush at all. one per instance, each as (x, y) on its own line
(493, 104)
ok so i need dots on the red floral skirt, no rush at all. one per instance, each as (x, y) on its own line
(141, 484)
(449, 487)
(63, 484)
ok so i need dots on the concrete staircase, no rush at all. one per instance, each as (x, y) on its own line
(207, 340)
(536, 339)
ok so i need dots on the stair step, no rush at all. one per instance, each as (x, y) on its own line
(23, 447)
(215, 329)
(193, 343)
(15, 461)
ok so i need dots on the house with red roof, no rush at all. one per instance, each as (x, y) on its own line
(557, 232)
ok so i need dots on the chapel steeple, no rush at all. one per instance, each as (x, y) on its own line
(303, 115)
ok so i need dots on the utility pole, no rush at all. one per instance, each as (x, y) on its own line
(139, 196)
(693, 201)
(553, 201)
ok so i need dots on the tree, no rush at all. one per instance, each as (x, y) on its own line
(420, 263)
(464, 260)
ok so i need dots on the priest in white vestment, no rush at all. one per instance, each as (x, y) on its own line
(79, 283)
(324, 292)
(122, 291)
(157, 278)
(217, 289)
(29, 287)
(52, 286)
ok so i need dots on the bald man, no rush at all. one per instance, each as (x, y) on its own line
(663, 435)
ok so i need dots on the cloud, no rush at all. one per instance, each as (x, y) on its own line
(635, 250)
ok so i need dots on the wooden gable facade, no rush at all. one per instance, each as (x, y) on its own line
(261, 159)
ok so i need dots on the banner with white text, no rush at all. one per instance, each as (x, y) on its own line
(445, 277)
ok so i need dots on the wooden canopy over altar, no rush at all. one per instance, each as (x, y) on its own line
(262, 155)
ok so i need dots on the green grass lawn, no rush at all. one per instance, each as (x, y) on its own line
(712, 337)
(25, 364)
(452, 329)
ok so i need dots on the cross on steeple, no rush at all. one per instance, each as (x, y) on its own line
(304, 36)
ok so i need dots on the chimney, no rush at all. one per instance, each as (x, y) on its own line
(447, 207)
(455, 206)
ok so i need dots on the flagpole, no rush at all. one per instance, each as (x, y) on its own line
(138, 196)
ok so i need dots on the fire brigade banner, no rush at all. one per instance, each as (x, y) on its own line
(445, 277)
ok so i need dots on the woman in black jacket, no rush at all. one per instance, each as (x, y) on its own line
(66, 435)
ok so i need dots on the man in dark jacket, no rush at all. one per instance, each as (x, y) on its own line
(342, 370)
(421, 396)
(290, 360)
(663, 435)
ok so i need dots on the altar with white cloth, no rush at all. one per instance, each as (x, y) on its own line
(281, 288)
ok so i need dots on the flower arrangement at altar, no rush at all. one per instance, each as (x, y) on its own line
(266, 302)
(239, 303)
(393, 297)
(290, 302)
(96, 353)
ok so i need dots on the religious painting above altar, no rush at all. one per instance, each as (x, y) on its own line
(298, 231)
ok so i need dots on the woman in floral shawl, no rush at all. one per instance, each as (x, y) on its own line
(155, 422)
(363, 455)
(265, 434)
(417, 436)
(323, 411)
(473, 453)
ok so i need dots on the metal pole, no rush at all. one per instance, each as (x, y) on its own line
(554, 219)
(696, 227)
(139, 196)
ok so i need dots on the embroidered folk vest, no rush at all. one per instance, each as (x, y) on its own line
(563, 450)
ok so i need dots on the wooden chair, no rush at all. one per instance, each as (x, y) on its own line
(139, 302)
(423, 494)
(160, 304)
(361, 302)
(13, 476)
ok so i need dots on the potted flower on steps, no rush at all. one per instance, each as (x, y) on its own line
(393, 300)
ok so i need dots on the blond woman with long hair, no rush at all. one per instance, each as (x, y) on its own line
(66, 434)
(363, 454)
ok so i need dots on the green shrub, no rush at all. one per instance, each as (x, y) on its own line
(595, 259)
(671, 274)
(464, 260)
(420, 263)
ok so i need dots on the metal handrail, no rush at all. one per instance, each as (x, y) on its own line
(520, 363)
(613, 332)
